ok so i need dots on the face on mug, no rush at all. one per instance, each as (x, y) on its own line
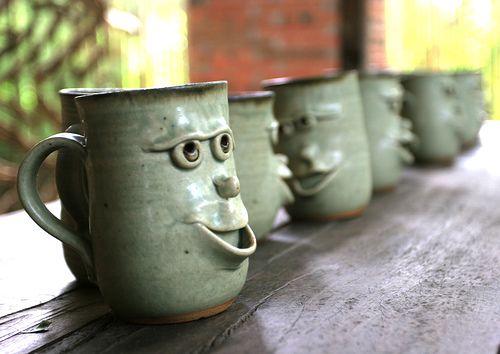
(196, 146)
(392, 95)
(306, 138)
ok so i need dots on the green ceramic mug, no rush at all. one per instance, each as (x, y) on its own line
(169, 237)
(71, 179)
(260, 171)
(470, 95)
(387, 131)
(323, 134)
(431, 103)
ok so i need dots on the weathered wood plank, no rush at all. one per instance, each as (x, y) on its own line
(417, 273)
(65, 314)
(426, 283)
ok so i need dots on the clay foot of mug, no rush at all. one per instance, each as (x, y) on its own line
(351, 214)
(469, 145)
(443, 161)
(385, 189)
(185, 317)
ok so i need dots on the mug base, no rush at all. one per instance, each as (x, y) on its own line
(468, 145)
(345, 215)
(442, 161)
(385, 189)
(185, 317)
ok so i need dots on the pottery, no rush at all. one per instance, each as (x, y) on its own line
(169, 237)
(322, 132)
(71, 179)
(470, 96)
(431, 103)
(388, 132)
(259, 170)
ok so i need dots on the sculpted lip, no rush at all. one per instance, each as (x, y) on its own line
(242, 252)
(309, 191)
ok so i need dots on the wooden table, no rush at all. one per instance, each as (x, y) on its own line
(418, 273)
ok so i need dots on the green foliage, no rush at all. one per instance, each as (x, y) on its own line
(47, 45)
(446, 35)
(44, 46)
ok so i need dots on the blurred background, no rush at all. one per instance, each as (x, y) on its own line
(47, 45)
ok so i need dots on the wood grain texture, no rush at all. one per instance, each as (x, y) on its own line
(417, 273)
(65, 314)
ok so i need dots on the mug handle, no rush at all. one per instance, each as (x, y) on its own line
(36, 209)
(72, 188)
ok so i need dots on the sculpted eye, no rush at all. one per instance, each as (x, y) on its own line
(225, 143)
(450, 90)
(187, 154)
(222, 146)
(191, 152)
(305, 122)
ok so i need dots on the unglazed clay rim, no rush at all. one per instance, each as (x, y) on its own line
(390, 74)
(191, 88)
(246, 96)
(424, 74)
(185, 317)
(467, 72)
(81, 91)
(242, 252)
(382, 73)
(306, 80)
(343, 215)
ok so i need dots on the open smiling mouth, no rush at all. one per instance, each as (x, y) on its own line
(321, 179)
(247, 239)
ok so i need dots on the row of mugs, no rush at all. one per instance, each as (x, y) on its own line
(151, 203)
(447, 110)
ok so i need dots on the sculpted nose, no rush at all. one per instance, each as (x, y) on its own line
(310, 154)
(227, 187)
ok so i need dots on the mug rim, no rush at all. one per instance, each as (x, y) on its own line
(245, 96)
(467, 72)
(79, 91)
(196, 87)
(423, 73)
(306, 80)
(384, 73)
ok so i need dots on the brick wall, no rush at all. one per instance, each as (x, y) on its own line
(375, 35)
(247, 41)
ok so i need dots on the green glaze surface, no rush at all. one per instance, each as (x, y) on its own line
(260, 171)
(382, 97)
(470, 95)
(71, 179)
(431, 104)
(169, 233)
(322, 133)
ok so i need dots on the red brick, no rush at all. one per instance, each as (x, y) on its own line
(245, 42)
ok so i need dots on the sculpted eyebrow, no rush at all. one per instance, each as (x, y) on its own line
(169, 144)
(332, 111)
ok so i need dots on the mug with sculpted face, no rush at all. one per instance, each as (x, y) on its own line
(260, 171)
(388, 132)
(323, 135)
(432, 105)
(168, 239)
